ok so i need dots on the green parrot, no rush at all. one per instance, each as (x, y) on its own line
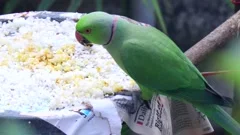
(155, 62)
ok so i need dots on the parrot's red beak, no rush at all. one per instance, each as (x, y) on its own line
(82, 40)
(78, 36)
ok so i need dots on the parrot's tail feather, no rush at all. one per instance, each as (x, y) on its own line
(222, 118)
(228, 101)
(222, 100)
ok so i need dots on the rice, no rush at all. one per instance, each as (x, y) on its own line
(43, 67)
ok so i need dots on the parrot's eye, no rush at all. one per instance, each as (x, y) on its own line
(87, 31)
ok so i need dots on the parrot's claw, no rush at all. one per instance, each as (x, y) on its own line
(133, 104)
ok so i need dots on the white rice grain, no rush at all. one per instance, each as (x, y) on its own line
(43, 67)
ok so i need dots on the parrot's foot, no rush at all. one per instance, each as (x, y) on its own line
(136, 100)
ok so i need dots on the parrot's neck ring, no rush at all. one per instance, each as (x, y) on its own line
(113, 28)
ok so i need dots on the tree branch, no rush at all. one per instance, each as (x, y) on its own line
(216, 39)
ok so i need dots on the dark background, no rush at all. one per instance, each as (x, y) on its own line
(187, 21)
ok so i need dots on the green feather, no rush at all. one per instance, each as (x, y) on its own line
(222, 118)
(157, 65)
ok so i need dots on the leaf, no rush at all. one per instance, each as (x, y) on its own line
(145, 2)
(159, 15)
(125, 130)
(45, 5)
(74, 5)
(158, 12)
(99, 5)
(230, 4)
(10, 6)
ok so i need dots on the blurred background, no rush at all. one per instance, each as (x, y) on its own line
(184, 21)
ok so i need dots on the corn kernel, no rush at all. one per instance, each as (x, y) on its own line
(98, 69)
(30, 48)
(58, 67)
(4, 63)
(132, 82)
(59, 51)
(117, 87)
(10, 49)
(58, 81)
(66, 68)
(105, 83)
(27, 35)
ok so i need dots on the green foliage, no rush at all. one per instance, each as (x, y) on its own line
(14, 127)
(228, 59)
(230, 4)
(125, 130)
(74, 5)
(45, 5)
(145, 2)
(99, 5)
(158, 13)
(10, 6)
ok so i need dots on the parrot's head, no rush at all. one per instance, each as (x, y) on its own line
(95, 27)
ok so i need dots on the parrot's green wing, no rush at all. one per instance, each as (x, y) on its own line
(155, 66)
(162, 70)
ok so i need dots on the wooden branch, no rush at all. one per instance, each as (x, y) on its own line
(216, 39)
